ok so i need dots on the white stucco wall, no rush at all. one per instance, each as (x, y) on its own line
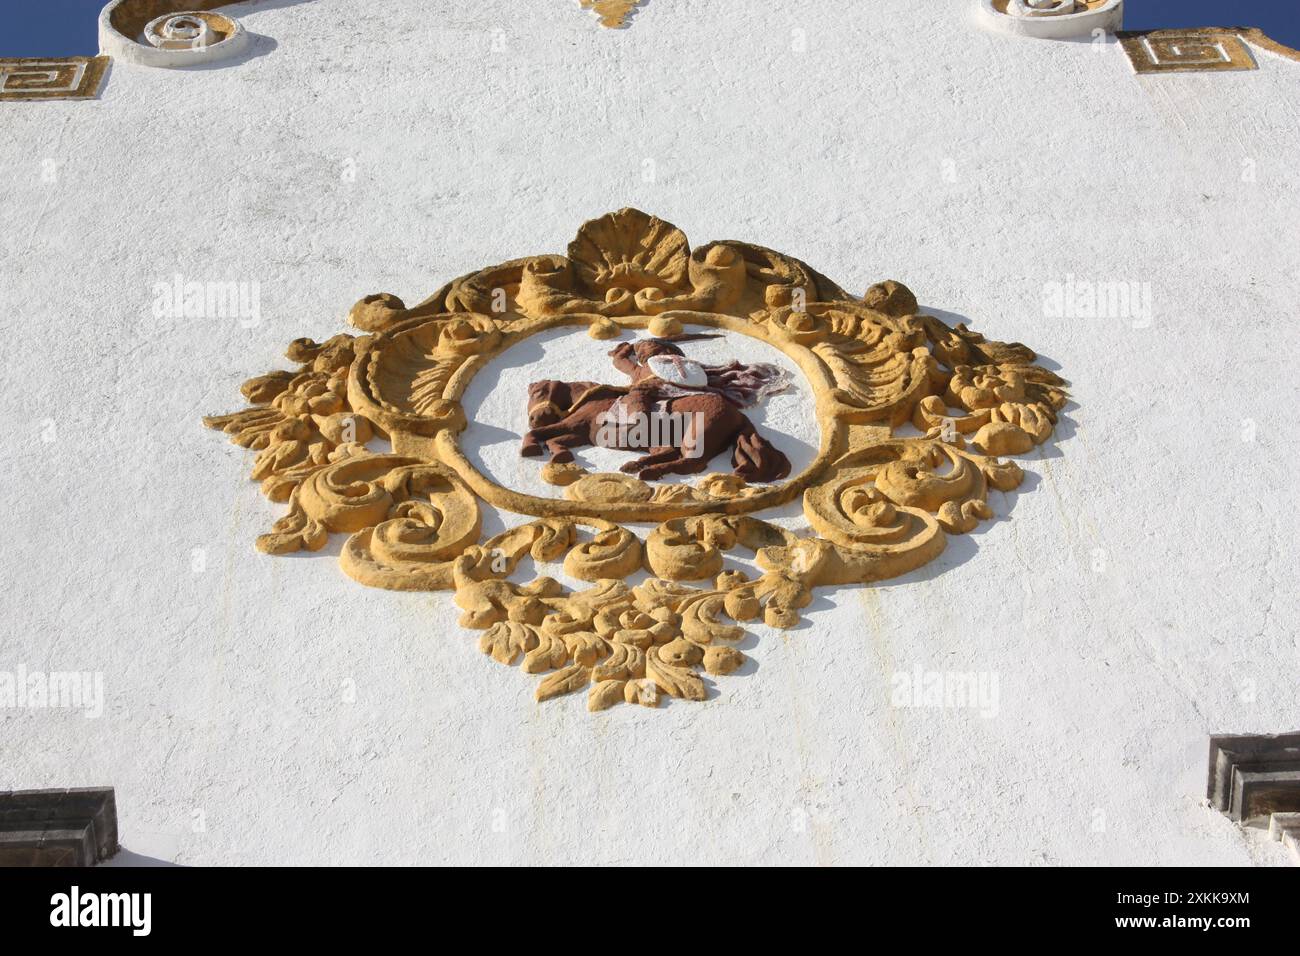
(1134, 597)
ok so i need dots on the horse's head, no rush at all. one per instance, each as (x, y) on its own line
(543, 403)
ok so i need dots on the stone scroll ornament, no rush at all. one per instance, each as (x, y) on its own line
(612, 13)
(879, 503)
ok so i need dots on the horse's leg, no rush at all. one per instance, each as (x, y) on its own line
(535, 437)
(559, 447)
(531, 447)
(755, 458)
(653, 456)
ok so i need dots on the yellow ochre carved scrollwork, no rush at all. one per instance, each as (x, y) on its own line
(612, 13)
(879, 503)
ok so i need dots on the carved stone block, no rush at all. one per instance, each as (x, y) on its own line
(57, 827)
(1285, 829)
(1252, 776)
(1174, 51)
(58, 78)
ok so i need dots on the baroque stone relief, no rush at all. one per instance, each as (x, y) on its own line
(880, 496)
(612, 13)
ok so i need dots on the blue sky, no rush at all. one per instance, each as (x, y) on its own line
(67, 27)
(49, 27)
(1280, 19)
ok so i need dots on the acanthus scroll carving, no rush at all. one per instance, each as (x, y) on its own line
(612, 13)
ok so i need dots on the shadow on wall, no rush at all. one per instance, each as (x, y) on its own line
(961, 548)
(124, 858)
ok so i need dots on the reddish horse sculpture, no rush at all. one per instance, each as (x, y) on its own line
(707, 400)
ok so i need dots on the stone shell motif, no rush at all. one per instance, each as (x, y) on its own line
(170, 33)
(1053, 19)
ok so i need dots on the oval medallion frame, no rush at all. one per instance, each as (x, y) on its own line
(409, 432)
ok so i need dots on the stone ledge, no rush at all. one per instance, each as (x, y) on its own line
(1285, 829)
(76, 827)
(1252, 776)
